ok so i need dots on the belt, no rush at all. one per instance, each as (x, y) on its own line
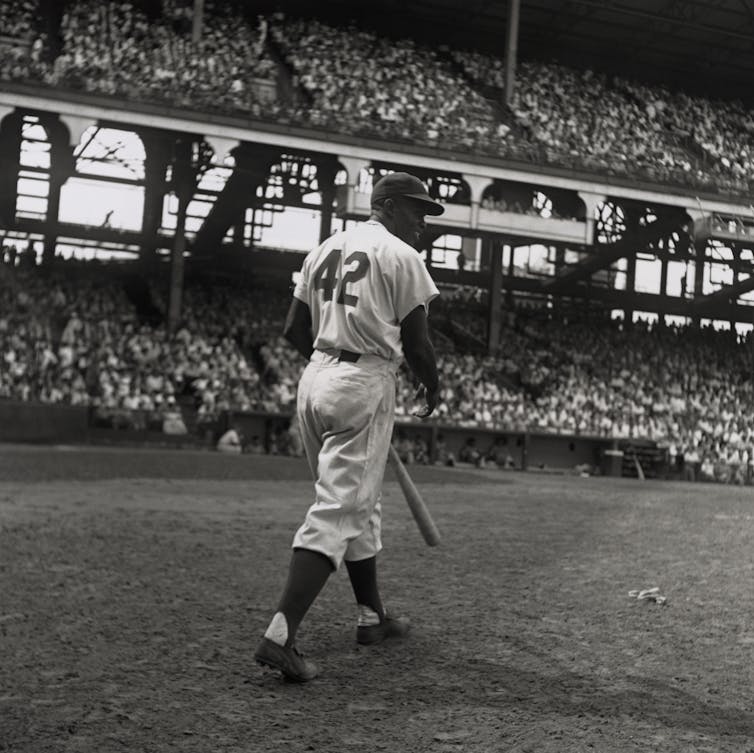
(348, 355)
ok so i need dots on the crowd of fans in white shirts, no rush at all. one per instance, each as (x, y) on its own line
(72, 336)
(361, 82)
(80, 342)
(20, 47)
(352, 80)
(114, 48)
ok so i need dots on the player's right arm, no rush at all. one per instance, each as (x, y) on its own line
(298, 323)
(420, 356)
(298, 328)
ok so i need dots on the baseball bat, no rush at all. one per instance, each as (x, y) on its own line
(415, 502)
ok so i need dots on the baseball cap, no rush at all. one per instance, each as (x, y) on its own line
(403, 184)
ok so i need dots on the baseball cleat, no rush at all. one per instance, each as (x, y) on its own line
(390, 627)
(285, 658)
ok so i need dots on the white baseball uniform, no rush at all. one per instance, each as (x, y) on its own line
(359, 285)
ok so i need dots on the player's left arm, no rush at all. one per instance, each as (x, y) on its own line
(298, 328)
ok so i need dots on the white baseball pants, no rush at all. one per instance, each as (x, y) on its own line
(346, 413)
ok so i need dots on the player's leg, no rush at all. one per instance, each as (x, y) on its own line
(361, 564)
(363, 577)
(336, 411)
(374, 624)
(349, 471)
(308, 570)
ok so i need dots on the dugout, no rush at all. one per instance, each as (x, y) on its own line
(38, 422)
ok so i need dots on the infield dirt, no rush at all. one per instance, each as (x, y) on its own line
(134, 586)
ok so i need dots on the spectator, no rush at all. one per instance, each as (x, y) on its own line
(231, 442)
(470, 454)
(295, 444)
(172, 420)
(404, 447)
(255, 446)
(420, 450)
(443, 456)
(70, 335)
(499, 455)
(350, 80)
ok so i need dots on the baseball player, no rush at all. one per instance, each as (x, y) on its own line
(359, 308)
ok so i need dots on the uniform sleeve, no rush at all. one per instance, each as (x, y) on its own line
(412, 285)
(301, 289)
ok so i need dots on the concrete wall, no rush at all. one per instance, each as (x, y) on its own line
(37, 422)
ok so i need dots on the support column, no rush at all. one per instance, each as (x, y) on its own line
(221, 146)
(477, 186)
(591, 202)
(733, 303)
(251, 171)
(238, 239)
(76, 126)
(425, 244)
(511, 276)
(700, 247)
(62, 166)
(353, 166)
(559, 264)
(632, 239)
(183, 182)
(511, 48)
(327, 169)
(468, 251)
(157, 150)
(663, 277)
(197, 21)
(628, 313)
(254, 162)
(494, 315)
(10, 154)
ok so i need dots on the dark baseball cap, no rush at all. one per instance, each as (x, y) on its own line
(403, 184)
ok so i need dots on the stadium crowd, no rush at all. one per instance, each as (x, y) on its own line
(360, 82)
(71, 335)
(21, 46)
(77, 339)
(114, 48)
(17, 19)
(74, 337)
(352, 80)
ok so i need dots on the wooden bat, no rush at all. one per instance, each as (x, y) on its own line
(415, 502)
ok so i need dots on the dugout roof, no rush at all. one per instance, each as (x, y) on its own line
(701, 46)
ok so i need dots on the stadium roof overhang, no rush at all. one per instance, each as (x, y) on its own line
(702, 46)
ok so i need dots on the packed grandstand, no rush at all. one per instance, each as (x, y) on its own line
(352, 80)
(70, 334)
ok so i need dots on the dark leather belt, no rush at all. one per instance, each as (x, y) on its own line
(347, 355)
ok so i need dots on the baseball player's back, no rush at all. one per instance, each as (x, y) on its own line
(359, 285)
(359, 307)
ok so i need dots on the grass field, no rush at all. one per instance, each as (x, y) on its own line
(134, 586)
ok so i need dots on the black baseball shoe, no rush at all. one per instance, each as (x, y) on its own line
(287, 659)
(390, 627)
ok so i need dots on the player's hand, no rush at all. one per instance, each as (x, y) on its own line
(430, 401)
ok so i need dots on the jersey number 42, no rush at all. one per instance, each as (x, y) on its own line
(326, 276)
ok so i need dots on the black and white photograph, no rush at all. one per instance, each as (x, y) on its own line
(376, 377)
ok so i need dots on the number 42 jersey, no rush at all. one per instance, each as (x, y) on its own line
(359, 285)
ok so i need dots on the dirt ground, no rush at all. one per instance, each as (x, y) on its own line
(134, 586)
